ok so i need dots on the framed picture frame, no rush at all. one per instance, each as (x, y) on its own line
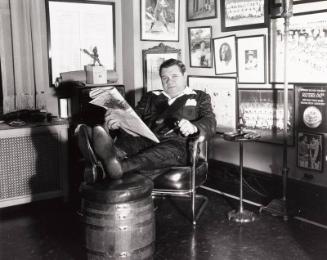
(73, 22)
(159, 20)
(251, 59)
(200, 10)
(306, 63)
(200, 46)
(243, 14)
(310, 152)
(263, 112)
(223, 93)
(225, 55)
(311, 107)
(152, 59)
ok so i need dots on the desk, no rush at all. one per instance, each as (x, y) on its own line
(241, 215)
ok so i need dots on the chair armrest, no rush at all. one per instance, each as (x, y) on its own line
(194, 146)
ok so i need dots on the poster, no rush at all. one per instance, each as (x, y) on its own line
(311, 108)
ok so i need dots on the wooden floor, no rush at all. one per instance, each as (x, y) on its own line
(52, 230)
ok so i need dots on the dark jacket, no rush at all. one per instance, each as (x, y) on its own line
(160, 117)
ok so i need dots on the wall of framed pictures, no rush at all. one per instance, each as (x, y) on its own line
(247, 44)
(209, 23)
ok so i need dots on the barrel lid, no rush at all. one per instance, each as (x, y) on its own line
(130, 187)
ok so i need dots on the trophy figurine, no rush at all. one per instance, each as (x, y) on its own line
(94, 55)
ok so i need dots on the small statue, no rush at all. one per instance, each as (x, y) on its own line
(94, 55)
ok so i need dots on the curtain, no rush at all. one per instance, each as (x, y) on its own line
(23, 54)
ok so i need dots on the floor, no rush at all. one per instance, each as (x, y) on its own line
(51, 230)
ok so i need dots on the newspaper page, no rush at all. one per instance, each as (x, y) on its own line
(110, 99)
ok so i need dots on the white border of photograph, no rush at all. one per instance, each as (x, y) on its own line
(223, 93)
(225, 63)
(158, 31)
(251, 70)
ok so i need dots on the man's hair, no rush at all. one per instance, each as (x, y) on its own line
(171, 62)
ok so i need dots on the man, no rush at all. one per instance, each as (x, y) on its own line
(172, 114)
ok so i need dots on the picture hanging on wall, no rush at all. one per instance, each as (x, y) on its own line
(307, 53)
(225, 55)
(159, 20)
(222, 91)
(199, 10)
(200, 46)
(310, 151)
(251, 55)
(311, 107)
(152, 59)
(243, 14)
(263, 112)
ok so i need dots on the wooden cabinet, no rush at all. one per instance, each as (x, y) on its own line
(33, 163)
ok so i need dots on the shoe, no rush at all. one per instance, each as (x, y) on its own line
(105, 151)
(93, 168)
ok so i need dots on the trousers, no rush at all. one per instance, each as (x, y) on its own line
(140, 153)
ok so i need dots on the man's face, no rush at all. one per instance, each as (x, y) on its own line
(173, 81)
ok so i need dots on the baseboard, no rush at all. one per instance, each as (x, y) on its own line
(304, 199)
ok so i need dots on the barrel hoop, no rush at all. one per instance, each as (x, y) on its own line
(125, 254)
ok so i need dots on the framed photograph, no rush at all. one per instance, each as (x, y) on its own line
(225, 55)
(159, 20)
(263, 112)
(311, 107)
(75, 30)
(199, 10)
(251, 59)
(152, 59)
(310, 151)
(200, 46)
(306, 54)
(243, 14)
(223, 98)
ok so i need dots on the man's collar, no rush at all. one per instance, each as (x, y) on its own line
(186, 91)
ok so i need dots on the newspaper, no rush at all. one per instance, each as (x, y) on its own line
(110, 99)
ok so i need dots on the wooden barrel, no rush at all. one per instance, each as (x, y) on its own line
(118, 219)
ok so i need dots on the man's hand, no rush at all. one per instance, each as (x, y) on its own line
(186, 127)
(112, 120)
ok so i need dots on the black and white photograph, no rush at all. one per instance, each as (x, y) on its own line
(251, 59)
(222, 91)
(262, 111)
(225, 55)
(311, 107)
(200, 46)
(310, 151)
(201, 9)
(159, 20)
(243, 14)
(163, 129)
(306, 52)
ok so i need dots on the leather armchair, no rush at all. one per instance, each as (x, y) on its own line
(183, 181)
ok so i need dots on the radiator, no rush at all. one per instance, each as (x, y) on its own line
(33, 164)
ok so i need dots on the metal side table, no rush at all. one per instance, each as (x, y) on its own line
(241, 215)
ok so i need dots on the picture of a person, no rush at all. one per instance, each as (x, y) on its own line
(160, 14)
(225, 53)
(201, 55)
(303, 150)
(315, 153)
(251, 61)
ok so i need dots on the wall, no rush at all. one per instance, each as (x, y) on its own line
(133, 71)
